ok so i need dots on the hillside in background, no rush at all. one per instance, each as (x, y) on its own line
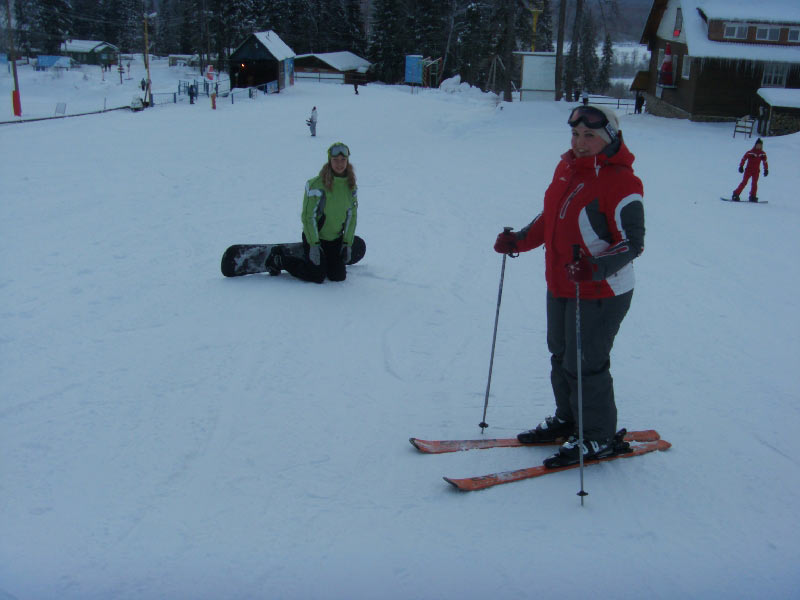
(625, 24)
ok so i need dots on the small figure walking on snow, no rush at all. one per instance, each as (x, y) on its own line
(753, 158)
(312, 122)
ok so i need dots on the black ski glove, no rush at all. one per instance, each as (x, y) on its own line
(741, 169)
(766, 172)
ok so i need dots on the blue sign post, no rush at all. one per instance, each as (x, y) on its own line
(414, 68)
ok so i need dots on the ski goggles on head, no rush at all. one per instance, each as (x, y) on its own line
(339, 149)
(593, 118)
(589, 116)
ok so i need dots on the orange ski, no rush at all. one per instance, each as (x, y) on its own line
(443, 446)
(478, 483)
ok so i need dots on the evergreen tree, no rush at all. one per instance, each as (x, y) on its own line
(388, 43)
(473, 45)
(53, 21)
(85, 22)
(189, 37)
(588, 63)
(604, 77)
(431, 20)
(130, 16)
(544, 29)
(24, 11)
(110, 26)
(167, 39)
(512, 29)
(353, 37)
(571, 68)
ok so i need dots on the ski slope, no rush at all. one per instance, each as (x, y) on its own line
(169, 433)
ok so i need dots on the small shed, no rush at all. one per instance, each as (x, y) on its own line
(538, 76)
(780, 112)
(90, 52)
(343, 66)
(45, 62)
(261, 59)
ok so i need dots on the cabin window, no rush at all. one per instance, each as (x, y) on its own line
(735, 31)
(794, 35)
(678, 23)
(774, 75)
(768, 34)
(686, 67)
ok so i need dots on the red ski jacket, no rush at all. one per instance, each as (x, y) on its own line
(596, 202)
(753, 159)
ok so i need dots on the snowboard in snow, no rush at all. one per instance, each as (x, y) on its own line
(745, 201)
(247, 259)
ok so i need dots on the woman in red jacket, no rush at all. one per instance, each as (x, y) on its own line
(753, 157)
(594, 202)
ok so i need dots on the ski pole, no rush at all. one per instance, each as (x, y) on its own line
(576, 255)
(483, 424)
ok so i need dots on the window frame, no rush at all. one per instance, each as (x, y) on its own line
(738, 27)
(774, 75)
(771, 33)
(686, 67)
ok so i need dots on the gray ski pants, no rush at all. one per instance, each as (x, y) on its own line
(600, 322)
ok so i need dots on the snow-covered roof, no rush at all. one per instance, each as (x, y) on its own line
(762, 11)
(342, 61)
(83, 45)
(695, 30)
(276, 46)
(783, 97)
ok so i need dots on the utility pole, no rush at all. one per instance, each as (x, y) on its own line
(147, 91)
(15, 94)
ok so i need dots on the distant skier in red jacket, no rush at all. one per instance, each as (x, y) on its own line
(753, 158)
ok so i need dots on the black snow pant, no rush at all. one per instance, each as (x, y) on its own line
(331, 263)
(600, 322)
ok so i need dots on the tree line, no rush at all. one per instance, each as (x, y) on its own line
(473, 38)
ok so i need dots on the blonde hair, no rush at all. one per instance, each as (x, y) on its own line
(327, 175)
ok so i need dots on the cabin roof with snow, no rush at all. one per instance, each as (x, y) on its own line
(269, 41)
(86, 46)
(705, 27)
(338, 61)
(781, 97)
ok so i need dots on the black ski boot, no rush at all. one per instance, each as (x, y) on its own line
(735, 198)
(753, 199)
(549, 430)
(570, 452)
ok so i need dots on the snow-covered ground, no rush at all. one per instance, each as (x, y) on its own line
(169, 433)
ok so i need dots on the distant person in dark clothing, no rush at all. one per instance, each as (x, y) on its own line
(639, 103)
